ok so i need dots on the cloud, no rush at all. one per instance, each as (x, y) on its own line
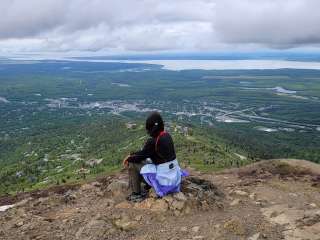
(156, 25)
(21, 19)
(274, 23)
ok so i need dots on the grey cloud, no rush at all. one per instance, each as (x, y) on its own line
(28, 18)
(156, 25)
(275, 23)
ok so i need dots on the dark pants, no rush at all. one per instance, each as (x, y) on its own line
(135, 178)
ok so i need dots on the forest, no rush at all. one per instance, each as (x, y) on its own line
(63, 121)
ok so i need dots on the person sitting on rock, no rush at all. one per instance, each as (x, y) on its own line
(155, 164)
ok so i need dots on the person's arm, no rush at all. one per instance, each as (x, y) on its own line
(146, 152)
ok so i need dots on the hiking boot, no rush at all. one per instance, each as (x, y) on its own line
(135, 197)
(145, 190)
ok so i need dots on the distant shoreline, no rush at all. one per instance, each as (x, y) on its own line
(178, 65)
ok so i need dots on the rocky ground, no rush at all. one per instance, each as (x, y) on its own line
(278, 199)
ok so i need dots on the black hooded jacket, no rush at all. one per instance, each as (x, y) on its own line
(164, 152)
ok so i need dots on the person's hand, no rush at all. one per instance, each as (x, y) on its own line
(125, 162)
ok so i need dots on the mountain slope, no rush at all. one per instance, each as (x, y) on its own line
(276, 199)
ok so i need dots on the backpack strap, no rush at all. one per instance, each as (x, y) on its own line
(160, 135)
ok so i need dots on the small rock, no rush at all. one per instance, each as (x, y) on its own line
(145, 204)
(216, 226)
(110, 202)
(152, 193)
(254, 237)
(40, 201)
(198, 237)
(187, 210)
(184, 229)
(99, 194)
(261, 202)
(253, 196)
(195, 229)
(160, 206)
(176, 213)
(19, 224)
(87, 187)
(5, 208)
(117, 187)
(69, 197)
(115, 216)
(313, 205)
(274, 214)
(124, 205)
(180, 197)
(310, 218)
(160, 218)
(205, 206)
(235, 226)
(178, 205)
(125, 224)
(138, 218)
(96, 184)
(169, 199)
(111, 231)
(235, 202)
(23, 202)
(220, 205)
(240, 193)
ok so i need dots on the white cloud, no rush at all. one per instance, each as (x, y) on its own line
(156, 25)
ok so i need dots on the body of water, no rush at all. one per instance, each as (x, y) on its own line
(177, 65)
(231, 64)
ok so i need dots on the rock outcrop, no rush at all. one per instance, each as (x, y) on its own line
(267, 200)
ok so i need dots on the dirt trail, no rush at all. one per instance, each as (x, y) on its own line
(277, 199)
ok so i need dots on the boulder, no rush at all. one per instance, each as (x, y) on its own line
(196, 194)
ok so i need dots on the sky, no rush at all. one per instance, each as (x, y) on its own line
(144, 26)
